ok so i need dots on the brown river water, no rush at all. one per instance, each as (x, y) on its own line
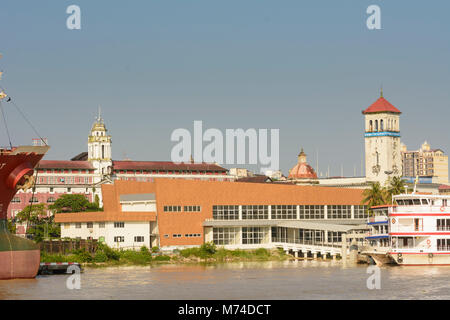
(248, 280)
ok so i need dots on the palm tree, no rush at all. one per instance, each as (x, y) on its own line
(396, 186)
(375, 195)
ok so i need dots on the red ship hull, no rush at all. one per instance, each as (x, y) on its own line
(19, 258)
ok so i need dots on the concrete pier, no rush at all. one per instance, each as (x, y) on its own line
(344, 247)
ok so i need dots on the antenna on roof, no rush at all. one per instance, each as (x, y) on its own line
(317, 160)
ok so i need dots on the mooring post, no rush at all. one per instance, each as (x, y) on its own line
(344, 247)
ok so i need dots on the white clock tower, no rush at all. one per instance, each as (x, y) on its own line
(382, 141)
(99, 147)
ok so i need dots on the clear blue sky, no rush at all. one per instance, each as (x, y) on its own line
(307, 68)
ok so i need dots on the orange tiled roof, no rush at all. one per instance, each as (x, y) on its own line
(104, 216)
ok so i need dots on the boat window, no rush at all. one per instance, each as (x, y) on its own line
(408, 202)
(425, 202)
(399, 202)
(416, 202)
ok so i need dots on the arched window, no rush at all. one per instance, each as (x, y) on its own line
(381, 125)
(33, 200)
(51, 200)
(370, 126)
(103, 152)
(376, 125)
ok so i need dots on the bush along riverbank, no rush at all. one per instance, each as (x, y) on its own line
(208, 252)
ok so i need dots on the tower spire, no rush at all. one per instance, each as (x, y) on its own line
(381, 91)
(99, 116)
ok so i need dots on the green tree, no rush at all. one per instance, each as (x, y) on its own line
(97, 201)
(45, 228)
(31, 214)
(38, 224)
(375, 195)
(11, 226)
(396, 185)
(73, 203)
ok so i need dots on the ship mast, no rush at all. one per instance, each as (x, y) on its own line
(3, 95)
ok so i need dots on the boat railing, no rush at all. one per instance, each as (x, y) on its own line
(443, 228)
(411, 249)
(420, 208)
(443, 248)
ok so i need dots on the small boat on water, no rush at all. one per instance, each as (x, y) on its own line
(414, 230)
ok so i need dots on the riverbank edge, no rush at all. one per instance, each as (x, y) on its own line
(136, 258)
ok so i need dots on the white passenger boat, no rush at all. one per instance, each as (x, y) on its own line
(419, 229)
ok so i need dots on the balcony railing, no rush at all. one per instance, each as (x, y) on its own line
(307, 242)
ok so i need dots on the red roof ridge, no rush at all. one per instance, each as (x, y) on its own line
(65, 164)
(381, 105)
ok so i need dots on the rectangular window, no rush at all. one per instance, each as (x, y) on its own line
(361, 212)
(255, 212)
(416, 224)
(312, 212)
(192, 208)
(89, 225)
(334, 237)
(119, 224)
(443, 244)
(442, 224)
(172, 208)
(224, 236)
(226, 212)
(279, 234)
(119, 239)
(253, 235)
(284, 212)
(101, 224)
(138, 239)
(78, 225)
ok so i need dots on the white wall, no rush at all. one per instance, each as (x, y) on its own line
(130, 230)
